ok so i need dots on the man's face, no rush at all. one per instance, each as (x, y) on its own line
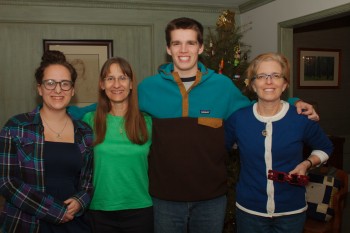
(184, 49)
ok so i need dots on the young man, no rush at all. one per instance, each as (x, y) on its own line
(188, 103)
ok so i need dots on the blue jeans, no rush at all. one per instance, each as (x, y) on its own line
(189, 217)
(249, 223)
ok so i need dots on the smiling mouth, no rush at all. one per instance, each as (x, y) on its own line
(57, 97)
(184, 58)
(117, 92)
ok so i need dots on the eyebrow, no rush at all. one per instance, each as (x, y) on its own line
(188, 41)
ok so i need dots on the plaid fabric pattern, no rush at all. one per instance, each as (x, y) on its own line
(319, 194)
(22, 174)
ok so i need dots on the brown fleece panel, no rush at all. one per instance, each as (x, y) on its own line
(187, 160)
(184, 93)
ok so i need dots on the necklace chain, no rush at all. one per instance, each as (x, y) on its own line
(120, 125)
(58, 134)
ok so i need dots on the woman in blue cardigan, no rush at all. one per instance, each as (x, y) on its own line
(270, 136)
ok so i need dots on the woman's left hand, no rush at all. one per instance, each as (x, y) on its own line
(73, 206)
(300, 169)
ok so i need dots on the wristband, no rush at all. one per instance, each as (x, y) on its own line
(311, 165)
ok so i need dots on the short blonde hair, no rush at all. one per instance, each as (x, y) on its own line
(255, 63)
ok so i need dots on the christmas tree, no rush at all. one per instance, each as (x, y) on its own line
(225, 53)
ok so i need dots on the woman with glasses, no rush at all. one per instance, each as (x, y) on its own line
(270, 193)
(122, 138)
(46, 159)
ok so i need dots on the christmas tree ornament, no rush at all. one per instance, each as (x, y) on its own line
(245, 56)
(211, 46)
(226, 20)
(221, 66)
(237, 55)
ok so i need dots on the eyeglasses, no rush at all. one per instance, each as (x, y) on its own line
(111, 79)
(50, 84)
(273, 76)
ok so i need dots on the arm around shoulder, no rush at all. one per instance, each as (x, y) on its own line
(78, 112)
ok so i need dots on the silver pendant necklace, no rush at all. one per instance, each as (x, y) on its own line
(58, 134)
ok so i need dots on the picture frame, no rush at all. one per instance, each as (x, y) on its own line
(87, 57)
(319, 68)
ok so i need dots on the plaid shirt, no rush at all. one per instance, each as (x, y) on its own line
(22, 174)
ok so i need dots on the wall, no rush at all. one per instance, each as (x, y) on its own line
(332, 104)
(263, 35)
(137, 31)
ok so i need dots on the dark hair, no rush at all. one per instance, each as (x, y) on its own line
(184, 23)
(135, 124)
(53, 57)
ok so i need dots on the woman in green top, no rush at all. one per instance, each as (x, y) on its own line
(122, 138)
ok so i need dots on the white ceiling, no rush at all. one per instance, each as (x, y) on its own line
(225, 3)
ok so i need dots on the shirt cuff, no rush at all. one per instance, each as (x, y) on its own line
(321, 155)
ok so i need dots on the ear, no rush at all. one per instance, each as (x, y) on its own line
(102, 85)
(38, 87)
(285, 85)
(168, 50)
(253, 87)
(73, 92)
(201, 49)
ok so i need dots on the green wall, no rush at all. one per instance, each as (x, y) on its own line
(137, 31)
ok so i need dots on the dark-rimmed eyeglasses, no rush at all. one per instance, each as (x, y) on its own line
(273, 76)
(50, 84)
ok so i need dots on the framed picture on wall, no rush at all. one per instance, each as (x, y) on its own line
(318, 68)
(87, 57)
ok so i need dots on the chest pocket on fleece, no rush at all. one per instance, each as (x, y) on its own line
(210, 122)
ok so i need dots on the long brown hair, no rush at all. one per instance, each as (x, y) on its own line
(134, 121)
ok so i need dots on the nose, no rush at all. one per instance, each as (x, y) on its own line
(58, 88)
(269, 79)
(116, 82)
(183, 48)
